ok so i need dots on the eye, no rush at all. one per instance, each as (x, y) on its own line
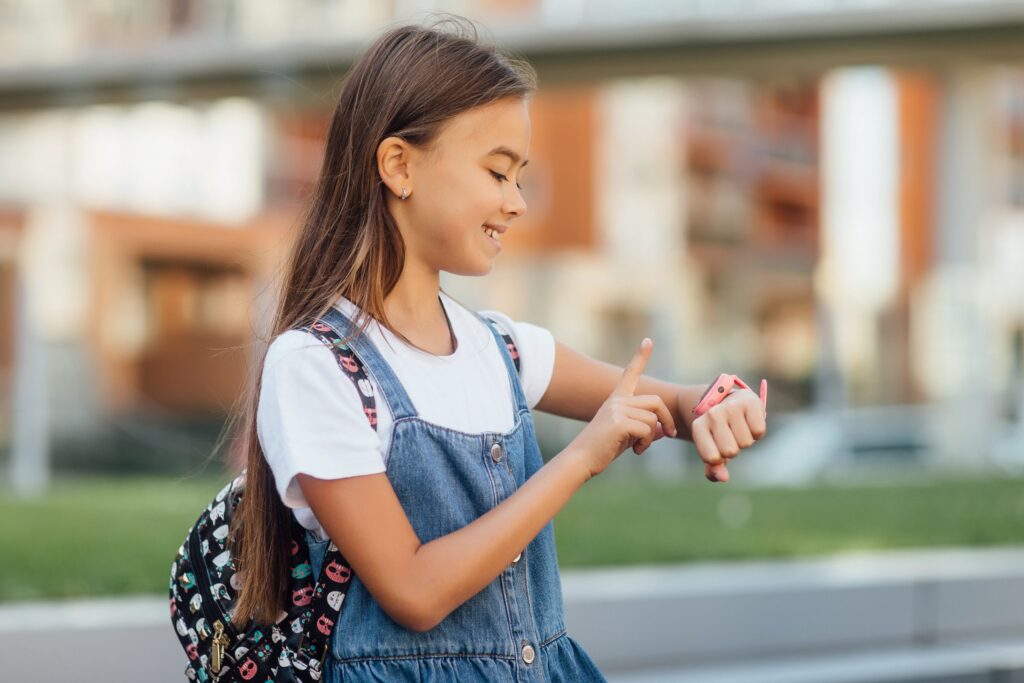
(502, 178)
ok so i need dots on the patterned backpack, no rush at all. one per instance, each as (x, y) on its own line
(204, 584)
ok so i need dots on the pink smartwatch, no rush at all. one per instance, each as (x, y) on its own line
(720, 388)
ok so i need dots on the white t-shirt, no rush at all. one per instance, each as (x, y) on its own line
(310, 417)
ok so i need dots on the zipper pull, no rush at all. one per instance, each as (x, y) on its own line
(220, 643)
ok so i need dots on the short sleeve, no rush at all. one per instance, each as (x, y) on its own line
(310, 418)
(536, 346)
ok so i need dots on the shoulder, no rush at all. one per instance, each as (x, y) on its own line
(505, 324)
(535, 346)
(296, 353)
(301, 378)
(313, 356)
(310, 419)
(522, 332)
(287, 345)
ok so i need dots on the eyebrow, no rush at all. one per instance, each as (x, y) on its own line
(507, 152)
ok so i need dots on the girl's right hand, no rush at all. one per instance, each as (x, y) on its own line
(624, 420)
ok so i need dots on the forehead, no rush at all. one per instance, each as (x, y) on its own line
(477, 131)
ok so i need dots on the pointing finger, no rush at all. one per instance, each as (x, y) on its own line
(631, 375)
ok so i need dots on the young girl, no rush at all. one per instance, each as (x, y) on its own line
(444, 508)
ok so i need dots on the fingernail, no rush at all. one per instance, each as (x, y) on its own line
(711, 477)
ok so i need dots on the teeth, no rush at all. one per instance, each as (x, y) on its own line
(491, 232)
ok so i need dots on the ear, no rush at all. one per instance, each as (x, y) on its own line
(393, 164)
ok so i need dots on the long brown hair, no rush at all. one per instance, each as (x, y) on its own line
(408, 83)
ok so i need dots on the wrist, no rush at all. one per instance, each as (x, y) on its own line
(686, 398)
(572, 460)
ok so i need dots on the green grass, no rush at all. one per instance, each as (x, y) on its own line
(625, 521)
(119, 536)
(97, 536)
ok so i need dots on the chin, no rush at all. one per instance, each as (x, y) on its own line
(476, 267)
(483, 269)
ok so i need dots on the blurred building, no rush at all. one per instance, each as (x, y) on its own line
(826, 194)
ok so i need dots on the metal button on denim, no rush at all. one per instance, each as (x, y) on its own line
(528, 653)
(497, 452)
(517, 558)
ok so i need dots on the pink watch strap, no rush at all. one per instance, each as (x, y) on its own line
(721, 387)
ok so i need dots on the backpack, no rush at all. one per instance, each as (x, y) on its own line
(204, 582)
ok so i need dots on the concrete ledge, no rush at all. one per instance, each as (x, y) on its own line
(647, 617)
(968, 662)
(928, 615)
(84, 614)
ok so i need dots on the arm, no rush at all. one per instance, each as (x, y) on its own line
(419, 584)
(580, 384)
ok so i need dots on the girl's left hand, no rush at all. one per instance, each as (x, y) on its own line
(726, 429)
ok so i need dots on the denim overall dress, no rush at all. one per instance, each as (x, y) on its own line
(513, 629)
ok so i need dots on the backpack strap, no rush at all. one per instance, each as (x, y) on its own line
(335, 572)
(350, 365)
(508, 341)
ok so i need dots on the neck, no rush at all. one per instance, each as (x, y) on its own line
(413, 301)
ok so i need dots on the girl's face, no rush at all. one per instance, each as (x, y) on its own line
(464, 191)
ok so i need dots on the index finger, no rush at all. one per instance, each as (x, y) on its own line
(631, 375)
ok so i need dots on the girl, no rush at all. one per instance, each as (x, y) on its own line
(444, 508)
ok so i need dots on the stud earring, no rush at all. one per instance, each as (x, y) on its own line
(405, 193)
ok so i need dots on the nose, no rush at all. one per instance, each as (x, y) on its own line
(515, 204)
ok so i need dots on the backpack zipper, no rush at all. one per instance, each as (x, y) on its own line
(220, 640)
